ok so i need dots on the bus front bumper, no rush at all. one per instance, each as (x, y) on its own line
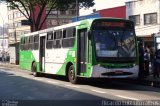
(101, 72)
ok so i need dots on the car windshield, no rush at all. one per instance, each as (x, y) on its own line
(115, 43)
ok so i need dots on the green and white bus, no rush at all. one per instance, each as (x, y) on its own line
(91, 48)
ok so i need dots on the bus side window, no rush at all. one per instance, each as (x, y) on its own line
(31, 43)
(69, 40)
(57, 39)
(25, 43)
(54, 41)
(36, 42)
(22, 44)
(49, 40)
(64, 33)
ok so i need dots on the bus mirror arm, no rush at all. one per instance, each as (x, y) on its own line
(89, 35)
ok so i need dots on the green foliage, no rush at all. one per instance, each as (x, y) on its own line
(30, 5)
(60, 4)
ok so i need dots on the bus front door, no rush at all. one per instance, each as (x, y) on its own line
(42, 53)
(81, 51)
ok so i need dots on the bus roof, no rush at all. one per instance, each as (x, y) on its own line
(70, 25)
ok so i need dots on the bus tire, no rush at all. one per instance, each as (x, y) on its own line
(34, 70)
(72, 75)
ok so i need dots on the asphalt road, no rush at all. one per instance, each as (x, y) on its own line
(16, 84)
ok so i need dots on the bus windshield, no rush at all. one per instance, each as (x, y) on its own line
(114, 43)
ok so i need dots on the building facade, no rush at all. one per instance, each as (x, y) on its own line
(4, 43)
(57, 18)
(3, 39)
(15, 28)
(116, 12)
(146, 16)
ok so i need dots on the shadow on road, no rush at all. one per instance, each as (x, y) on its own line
(19, 88)
(14, 87)
(119, 84)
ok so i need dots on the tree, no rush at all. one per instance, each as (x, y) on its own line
(33, 10)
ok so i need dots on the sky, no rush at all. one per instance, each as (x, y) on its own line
(103, 4)
(99, 4)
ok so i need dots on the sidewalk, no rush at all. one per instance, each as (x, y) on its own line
(8, 65)
(151, 78)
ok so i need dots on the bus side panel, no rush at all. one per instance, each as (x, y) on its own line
(26, 59)
(55, 60)
(70, 58)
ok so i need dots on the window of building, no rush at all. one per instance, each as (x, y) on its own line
(135, 19)
(150, 18)
(72, 12)
(65, 21)
(15, 15)
(63, 12)
(19, 24)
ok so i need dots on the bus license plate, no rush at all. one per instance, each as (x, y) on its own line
(118, 72)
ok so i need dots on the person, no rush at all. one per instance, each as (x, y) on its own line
(141, 60)
(146, 62)
(5, 56)
(2, 57)
(156, 64)
(152, 57)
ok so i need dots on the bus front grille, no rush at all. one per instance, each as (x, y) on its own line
(116, 74)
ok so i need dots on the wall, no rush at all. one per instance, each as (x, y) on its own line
(15, 17)
(142, 7)
(118, 12)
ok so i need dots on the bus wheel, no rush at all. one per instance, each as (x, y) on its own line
(34, 70)
(71, 75)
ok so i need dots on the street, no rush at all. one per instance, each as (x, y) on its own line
(19, 84)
